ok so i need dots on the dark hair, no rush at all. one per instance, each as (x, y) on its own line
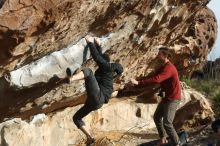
(106, 57)
(165, 51)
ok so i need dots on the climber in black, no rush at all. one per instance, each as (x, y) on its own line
(99, 87)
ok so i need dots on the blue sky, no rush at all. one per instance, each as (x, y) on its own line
(215, 6)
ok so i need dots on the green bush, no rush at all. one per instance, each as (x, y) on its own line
(186, 80)
(208, 87)
(216, 100)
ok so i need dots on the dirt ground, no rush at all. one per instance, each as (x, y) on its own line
(199, 136)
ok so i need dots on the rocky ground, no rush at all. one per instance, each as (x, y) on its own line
(199, 136)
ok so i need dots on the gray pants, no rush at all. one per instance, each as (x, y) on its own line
(163, 118)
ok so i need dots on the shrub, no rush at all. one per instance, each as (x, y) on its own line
(216, 100)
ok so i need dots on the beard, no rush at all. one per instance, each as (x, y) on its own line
(159, 61)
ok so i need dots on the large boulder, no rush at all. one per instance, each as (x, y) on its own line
(196, 111)
(123, 115)
(131, 31)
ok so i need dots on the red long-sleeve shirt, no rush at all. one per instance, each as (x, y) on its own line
(168, 78)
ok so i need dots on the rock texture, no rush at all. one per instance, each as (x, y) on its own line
(131, 31)
(111, 124)
(197, 110)
(32, 29)
(39, 39)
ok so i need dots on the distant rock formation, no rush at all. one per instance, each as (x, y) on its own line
(212, 69)
(209, 70)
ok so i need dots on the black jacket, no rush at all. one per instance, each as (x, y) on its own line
(105, 72)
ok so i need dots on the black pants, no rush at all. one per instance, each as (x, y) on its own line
(94, 99)
(163, 118)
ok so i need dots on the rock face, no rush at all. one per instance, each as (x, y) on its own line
(32, 29)
(134, 118)
(195, 112)
(40, 39)
(131, 32)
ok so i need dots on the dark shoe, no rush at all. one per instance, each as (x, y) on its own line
(89, 142)
(70, 72)
(7, 79)
(66, 80)
(57, 80)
